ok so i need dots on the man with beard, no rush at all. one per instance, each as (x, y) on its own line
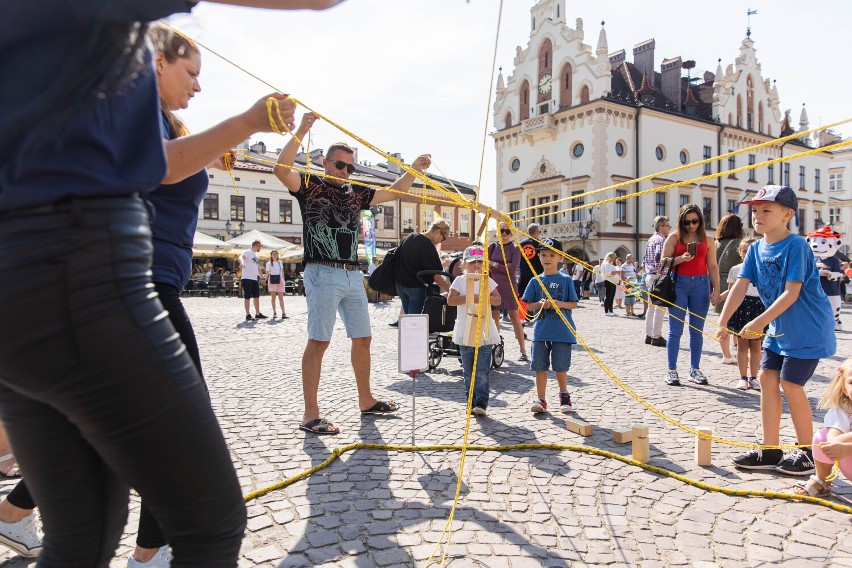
(331, 212)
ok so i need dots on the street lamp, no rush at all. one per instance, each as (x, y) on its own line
(242, 227)
(228, 228)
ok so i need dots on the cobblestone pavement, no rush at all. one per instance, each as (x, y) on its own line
(520, 508)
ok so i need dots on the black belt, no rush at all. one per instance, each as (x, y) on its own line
(69, 204)
(340, 265)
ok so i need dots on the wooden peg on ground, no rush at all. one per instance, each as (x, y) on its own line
(703, 446)
(622, 435)
(641, 444)
(578, 426)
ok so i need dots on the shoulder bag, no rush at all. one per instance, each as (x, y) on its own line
(662, 290)
(382, 279)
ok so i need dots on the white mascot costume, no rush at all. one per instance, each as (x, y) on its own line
(824, 244)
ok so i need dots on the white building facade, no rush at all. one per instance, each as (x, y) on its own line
(570, 118)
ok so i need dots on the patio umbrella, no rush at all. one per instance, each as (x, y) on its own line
(202, 242)
(267, 241)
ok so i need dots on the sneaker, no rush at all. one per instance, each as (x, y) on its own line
(565, 402)
(539, 405)
(753, 383)
(798, 462)
(523, 358)
(24, 537)
(672, 379)
(759, 459)
(697, 377)
(260, 316)
(479, 410)
(249, 318)
(648, 340)
(160, 560)
(742, 384)
(658, 342)
(729, 361)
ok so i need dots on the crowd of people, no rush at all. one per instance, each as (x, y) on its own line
(123, 392)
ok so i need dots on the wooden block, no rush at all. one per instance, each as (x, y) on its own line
(641, 443)
(622, 435)
(703, 447)
(578, 426)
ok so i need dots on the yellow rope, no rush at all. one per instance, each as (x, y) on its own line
(337, 452)
(691, 181)
(695, 164)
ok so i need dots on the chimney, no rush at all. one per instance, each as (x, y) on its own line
(643, 58)
(617, 58)
(670, 80)
(393, 168)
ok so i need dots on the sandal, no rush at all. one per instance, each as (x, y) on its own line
(814, 487)
(320, 426)
(381, 408)
(14, 470)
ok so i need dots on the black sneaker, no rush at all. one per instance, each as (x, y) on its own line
(798, 462)
(260, 316)
(759, 459)
(658, 342)
(648, 340)
(249, 318)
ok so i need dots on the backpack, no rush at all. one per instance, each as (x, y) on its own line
(382, 279)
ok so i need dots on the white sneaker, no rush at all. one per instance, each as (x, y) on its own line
(754, 383)
(729, 361)
(163, 559)
(24, 537)
(742, 384)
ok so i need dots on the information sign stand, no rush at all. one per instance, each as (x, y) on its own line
(413, 353)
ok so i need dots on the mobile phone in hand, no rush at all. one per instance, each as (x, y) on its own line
(692, 248)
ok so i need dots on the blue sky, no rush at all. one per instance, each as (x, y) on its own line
(413, 76)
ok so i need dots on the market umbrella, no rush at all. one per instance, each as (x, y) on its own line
(202, 242)
(267, 241)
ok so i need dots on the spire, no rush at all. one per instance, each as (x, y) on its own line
(803, 119)
(500, 84)
(646, 88)
(603, 48)
(719, 74)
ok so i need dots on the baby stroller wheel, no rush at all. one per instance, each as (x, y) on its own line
(435, 355)
(497, 355)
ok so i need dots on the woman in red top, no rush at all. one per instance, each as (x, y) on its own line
(696, 286)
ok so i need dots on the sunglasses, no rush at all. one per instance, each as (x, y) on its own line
(341, 165)
(505, 231)
(688, 222)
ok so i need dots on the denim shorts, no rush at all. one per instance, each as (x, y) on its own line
(330, 291)
(545, 351)
(796, 371)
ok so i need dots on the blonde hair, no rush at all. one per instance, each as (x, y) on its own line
(173, 45)
(835, 394)
(608, 256)
(441, 225)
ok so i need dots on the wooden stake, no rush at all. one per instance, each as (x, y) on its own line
(578, 426)
(622, 435)
(703, 447)
(641, 444)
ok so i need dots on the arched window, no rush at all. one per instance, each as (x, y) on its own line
(760, 117)
(584, 95)
(525, 101)
(507, 123)
(749, 103)
(545, 69)
(565, 77)
(739, 111)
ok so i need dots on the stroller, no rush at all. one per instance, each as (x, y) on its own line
(442, 320)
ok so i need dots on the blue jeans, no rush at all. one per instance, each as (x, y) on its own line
(691, 293)
(412, 298)
(483, 369)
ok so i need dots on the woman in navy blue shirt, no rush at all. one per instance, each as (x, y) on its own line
(96, 391)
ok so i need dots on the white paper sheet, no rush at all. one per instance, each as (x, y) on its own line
(413, 343)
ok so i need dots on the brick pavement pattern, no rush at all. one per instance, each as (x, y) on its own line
(520, 508)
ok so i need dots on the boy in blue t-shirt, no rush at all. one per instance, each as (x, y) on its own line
(783, 268)
(551, 337)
